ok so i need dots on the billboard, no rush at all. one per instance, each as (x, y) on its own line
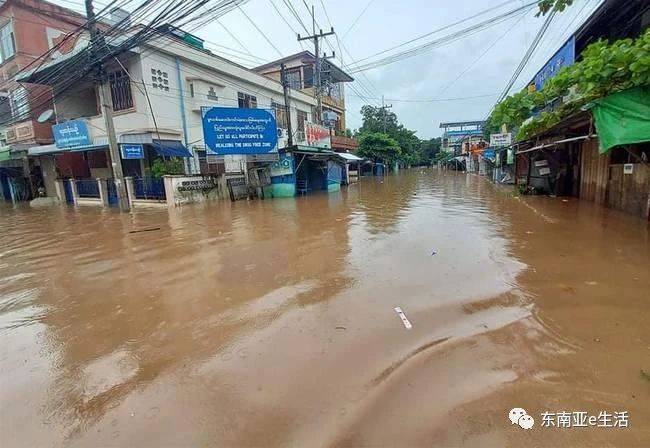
(564, 57)
(71, 134)
(232, 130)
(318, 136)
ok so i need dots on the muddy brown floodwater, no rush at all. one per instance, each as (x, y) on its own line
(272, 323)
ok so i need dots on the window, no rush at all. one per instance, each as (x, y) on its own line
(7, 42)
(280, 114)
(308, 71)
(212, 95)
(120, 85)
(334, 91)
(192, 90)
(19, 104)
(302, 119)
(294, 79)
(159, 79)
(246, 101)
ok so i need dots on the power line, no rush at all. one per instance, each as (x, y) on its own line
(260, 31)
(434, 100)
(457, 35)
(469, 67)
(358, 17)
(446, 27)
(527, 55)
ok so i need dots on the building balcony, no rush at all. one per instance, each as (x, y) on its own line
(335, 103)
(340, 143)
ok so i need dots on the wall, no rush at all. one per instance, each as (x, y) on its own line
(630, 192)
(594, 171)
(48, 169)
(182, 190)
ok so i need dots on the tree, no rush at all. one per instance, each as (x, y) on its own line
(377, 119)
(547, 5)
(430, 148)
(379, 147)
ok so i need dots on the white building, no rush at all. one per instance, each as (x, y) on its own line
(158, 89)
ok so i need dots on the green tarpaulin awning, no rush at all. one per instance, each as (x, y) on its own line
(623, 118)
(4, 154)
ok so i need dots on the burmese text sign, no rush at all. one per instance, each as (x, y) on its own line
(231, 130)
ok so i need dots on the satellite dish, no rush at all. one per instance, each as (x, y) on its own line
(45, 116)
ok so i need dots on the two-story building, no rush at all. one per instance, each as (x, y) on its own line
(28, 29)
(300, 69)
(158, 89)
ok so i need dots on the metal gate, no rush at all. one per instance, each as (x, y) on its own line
(67, 189)
(111, 190)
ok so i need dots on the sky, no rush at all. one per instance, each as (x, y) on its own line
(459, 81)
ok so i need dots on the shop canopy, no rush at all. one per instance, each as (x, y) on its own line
(623, 118)
(4, 154)
(170, 148)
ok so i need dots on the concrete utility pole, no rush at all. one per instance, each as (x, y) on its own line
(287, 102)
(106, 104)
(317, 71)
(383, 108)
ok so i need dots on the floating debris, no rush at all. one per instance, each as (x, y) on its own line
(402, 316)
(145, 230)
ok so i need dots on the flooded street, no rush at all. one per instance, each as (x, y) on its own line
(272, 323)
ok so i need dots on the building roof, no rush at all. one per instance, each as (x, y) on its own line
(455, 124)
(307, 57)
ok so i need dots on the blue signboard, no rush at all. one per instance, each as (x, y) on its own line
(231, 130)
(71, 134)
(564, 57)
(130, 151)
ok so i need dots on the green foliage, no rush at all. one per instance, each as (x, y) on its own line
(412, 150)
(604, 69)
(547, 5)
(379, 147)
(162, 167)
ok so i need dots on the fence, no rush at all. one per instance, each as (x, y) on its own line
(87, 188)
(149, 188)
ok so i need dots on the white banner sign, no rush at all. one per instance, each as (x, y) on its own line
(498, 140)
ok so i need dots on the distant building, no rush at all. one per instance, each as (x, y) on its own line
(300, 73)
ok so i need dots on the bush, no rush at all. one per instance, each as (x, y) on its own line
(162, 167)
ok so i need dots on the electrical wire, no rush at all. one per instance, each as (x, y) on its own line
(354, 22)
(457, 35)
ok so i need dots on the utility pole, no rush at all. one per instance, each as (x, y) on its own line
(317, 71)
(383, 109)
(287, 102)
(106, 104)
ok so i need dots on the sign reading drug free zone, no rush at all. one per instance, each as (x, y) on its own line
(231, 130)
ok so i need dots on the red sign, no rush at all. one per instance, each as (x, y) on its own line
(317, 135)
